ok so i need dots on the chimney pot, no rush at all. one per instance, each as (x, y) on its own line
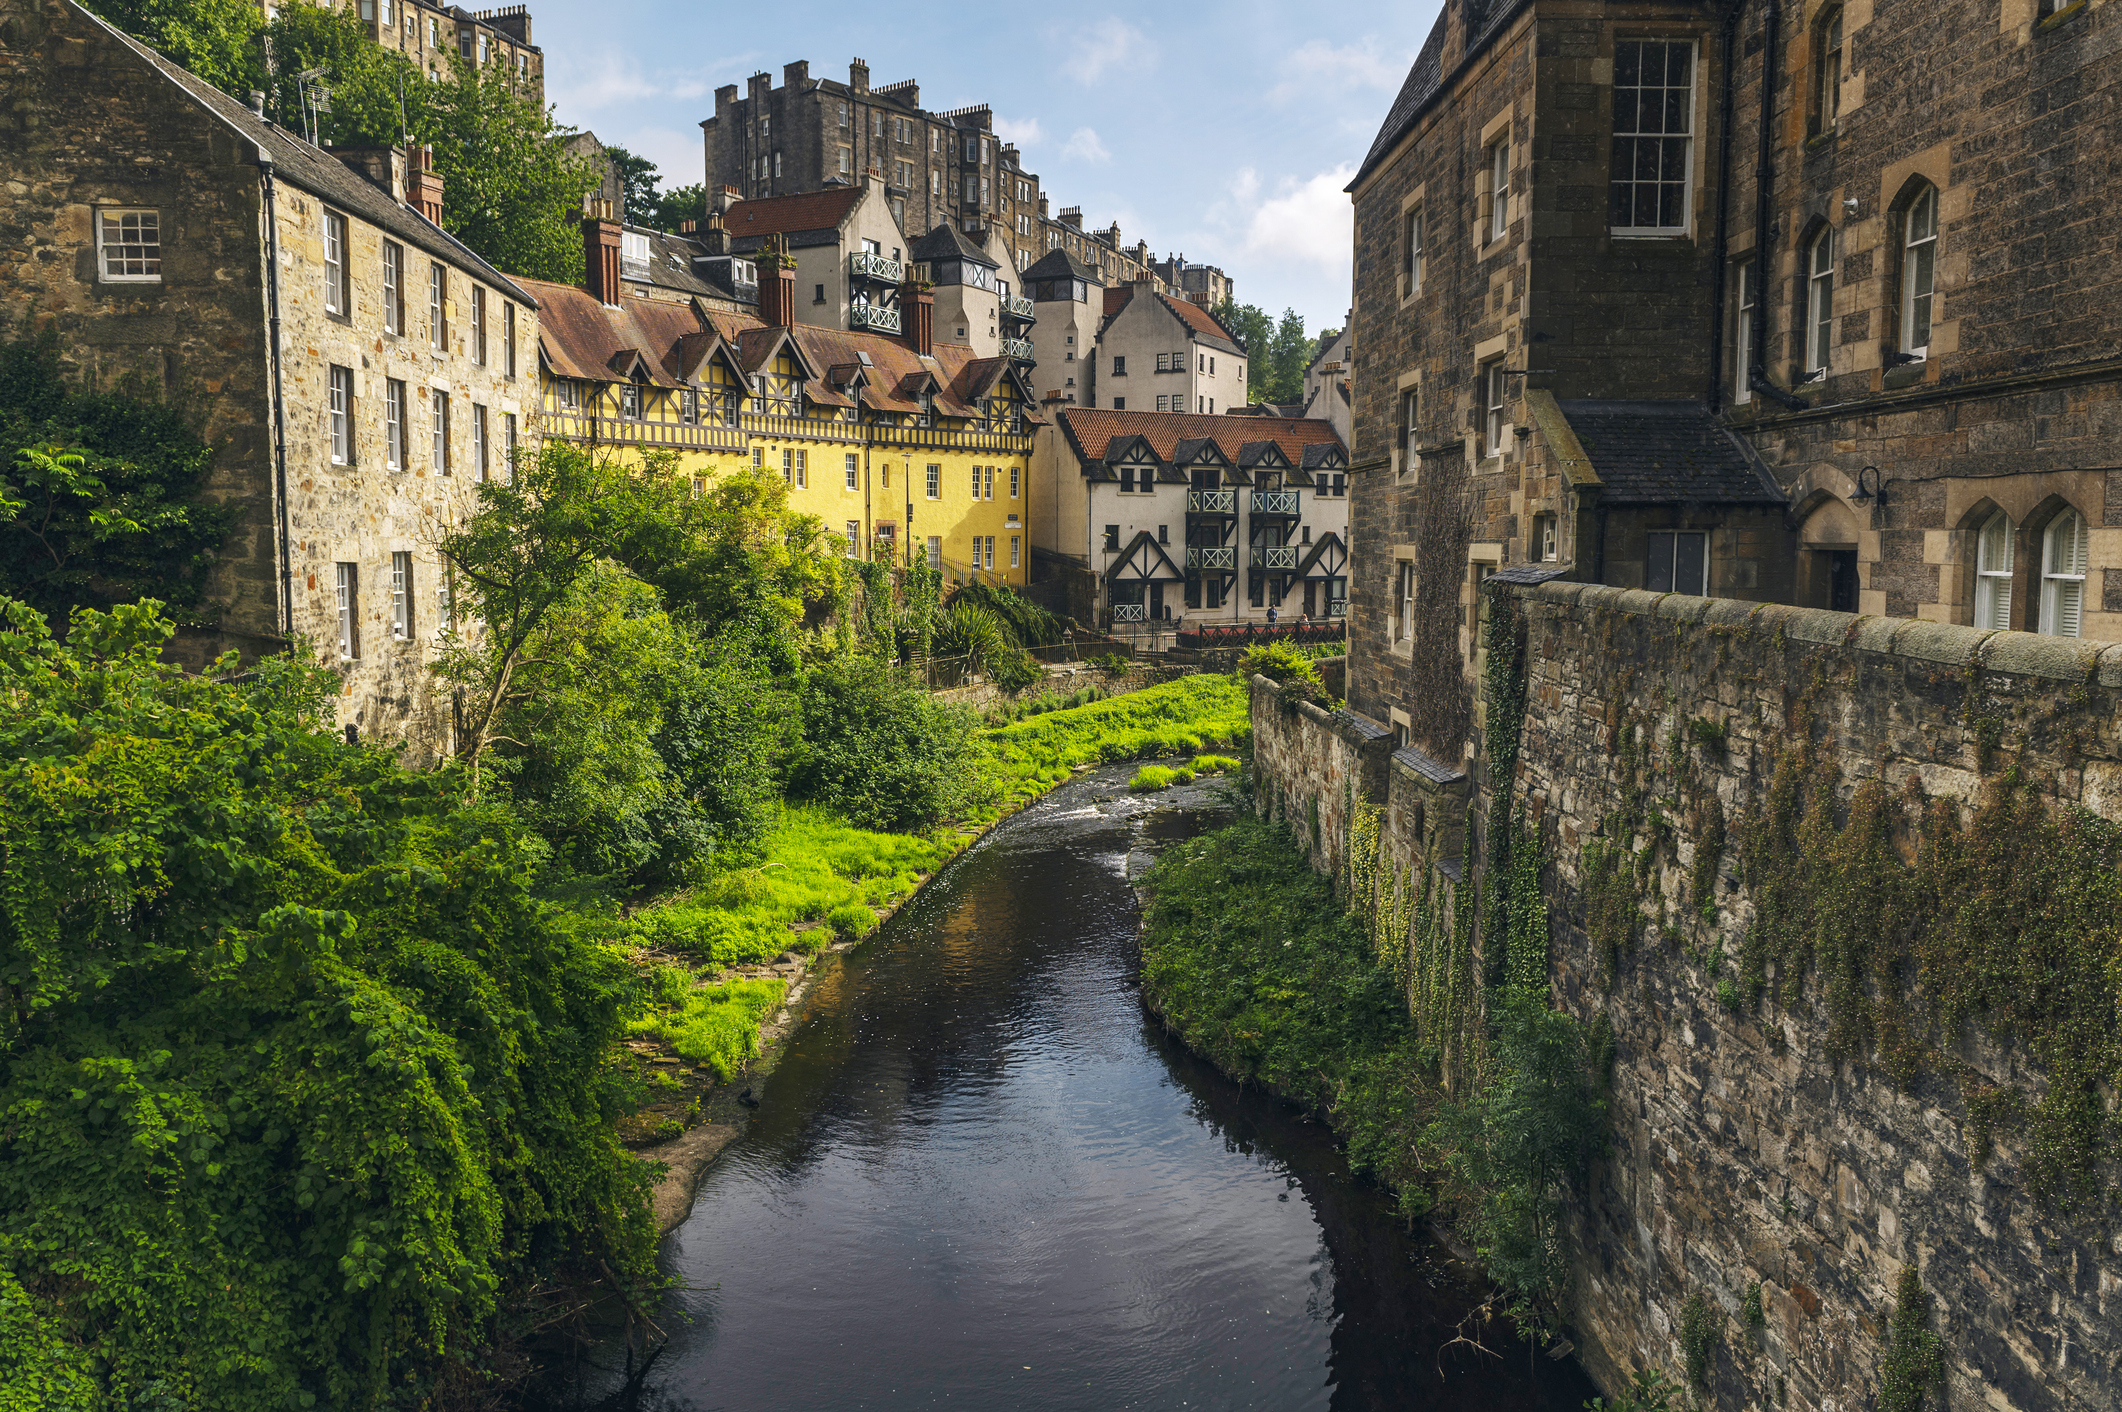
(917, 311)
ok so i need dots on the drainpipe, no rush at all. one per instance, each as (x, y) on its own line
(1719, 257)
(272, 307)
(1764, 198)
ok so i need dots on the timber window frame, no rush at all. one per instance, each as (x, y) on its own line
(1495, 191)
(1677, 561)
(479, 442)
(394, 424)
(437, 307)
(401, 595)
(479, 325)
(854, 470)
(2063, 574)
(1919, 272)
(934, 482)
(1828, 68)
(1410, 402)
(1411, 257)
(1995, 545)
(1651, 182)
(1745, 298)
(338, 289)
(340, 416)
(1404, 600)
(129, 244)
(347, 590)
(438, 412)
(1494, 396)
(1819, 309)
(393, 288)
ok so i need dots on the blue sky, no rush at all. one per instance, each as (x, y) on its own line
(1225, 133)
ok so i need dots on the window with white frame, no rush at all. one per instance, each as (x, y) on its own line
(1404, 594)
(934, 482)
(1498, 192)
(337, 298)
(1919, 271)
(1742, 367)
(795, 467)
(1820, 301)
(479, 462)
(1411, 248)
(1827, 71)
(394, 424)
(1545, 546)
(508, 438)
(976, 482)
(508, 339)
(1993, 572)
(445, 607)
(1013, 550)
(1492, 386)
(630, 399)
(1678, 562)
(1014, 473)
(2063, 556)
(479, 325)
(439, 410)
(1654, 127)
(401, 595)
(988, 493)
(935, 551)
(853, 468)
(342, 414)
(393, 287)
(348, 588)
(1410, 424)
(437, 310)
(854, 538)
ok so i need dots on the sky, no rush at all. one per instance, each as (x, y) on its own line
(1222, 133)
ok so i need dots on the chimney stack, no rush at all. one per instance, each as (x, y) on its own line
(424, 184)
(714, 235)
(777, 287)
(858, 75)
(600, 253)
(795, 76)
(917, 311)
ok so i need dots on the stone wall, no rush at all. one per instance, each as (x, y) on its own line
(1318, 765)
(1744, 1152)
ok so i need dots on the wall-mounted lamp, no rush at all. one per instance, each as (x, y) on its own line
(1875, 491)
(1850, 205)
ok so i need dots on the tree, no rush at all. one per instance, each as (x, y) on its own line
(215, 39)
(99, 492)
(1290, 353)
(1255, 334)
(638, 179)
(304, 1083)
(675, 207)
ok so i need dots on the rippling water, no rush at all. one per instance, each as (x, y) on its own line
(980, 1177)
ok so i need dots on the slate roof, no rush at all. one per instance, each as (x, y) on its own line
(1526, 573)
(1425, 766)
(1426, 77)
(1166, 432)
(947, 242)
(1059, 264)
(1199, 322)
(320, 173)
(803, 218)
(1664, 453)
(670, 263)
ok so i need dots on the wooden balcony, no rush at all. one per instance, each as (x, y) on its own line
(1275, 502)
(877, 269)
(1282, 559)
(877, 318)
(1211, 556)
(1018, 348)
(1212, 502)
(1017, 307)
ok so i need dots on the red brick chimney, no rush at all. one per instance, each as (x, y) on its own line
(777, 290)
(424, 184)
(600, 253)
(917, 310)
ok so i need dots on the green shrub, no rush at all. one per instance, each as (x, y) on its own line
(1215, 764)
(716, 1025)
(1151, 778)
(880, 750)
(1915, 1357)
(851, 921)
(1700, 1325)
(1118, 664)
(1182, 775)
(1277, 661)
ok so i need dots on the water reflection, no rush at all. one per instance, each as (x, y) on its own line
(981, 1177)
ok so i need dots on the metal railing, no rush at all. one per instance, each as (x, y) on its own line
(1016, 306)
(877, 318)
(864, 265)
(1337, 607)
(1275, 502)
(1211, 557)
(1265, 557)
(1018, 348)
(1212, 502)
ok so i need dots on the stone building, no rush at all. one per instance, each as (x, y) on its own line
(1193, 520)
(1159, 353)
(1069, 299)
(1326, 381)
(1745, 300)
(428, 33)
(934, 166)
(1205, 285)
(358, 370)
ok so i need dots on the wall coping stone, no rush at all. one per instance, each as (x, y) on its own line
(1354, 729)
(2029, 654)
(1407, 757)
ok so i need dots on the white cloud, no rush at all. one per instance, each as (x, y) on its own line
(1023, 133)
(1308, 220)
(583, 84)
(1110, 46)
(1084, 146)
(1317, 67)
(680, 156)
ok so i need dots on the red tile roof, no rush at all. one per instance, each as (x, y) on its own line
(784, 215)
(1091, 430)
(1200, 321)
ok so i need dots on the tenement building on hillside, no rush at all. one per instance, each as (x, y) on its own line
(357, 370)
(1811, 301)
(934, 166)
(907, 447)
(428, 34)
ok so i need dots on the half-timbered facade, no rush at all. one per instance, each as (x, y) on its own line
(1195, 519)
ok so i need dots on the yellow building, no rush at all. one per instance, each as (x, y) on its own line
(908, 451)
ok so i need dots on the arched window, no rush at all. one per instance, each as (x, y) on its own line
(1919, 271)
(1993, 568)
(2063, 575)
(1820, 301)
(1827, 69)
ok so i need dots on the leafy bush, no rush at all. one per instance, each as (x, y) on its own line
(716, 1025)
(305, 1082)
(1216, 764)
(880, 750)
(1151, 778)
(1028, 623)
(1277, 661)
(851, 921)
(1117, 664)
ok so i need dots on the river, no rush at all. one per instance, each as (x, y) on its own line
(981, 1176)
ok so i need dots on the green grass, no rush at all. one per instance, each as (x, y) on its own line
(716, 1025)
(1215, 765)
(1152, 777)
(1176, 718)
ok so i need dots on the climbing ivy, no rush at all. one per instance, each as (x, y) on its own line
(1701, 1325)
(1914, 1361)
